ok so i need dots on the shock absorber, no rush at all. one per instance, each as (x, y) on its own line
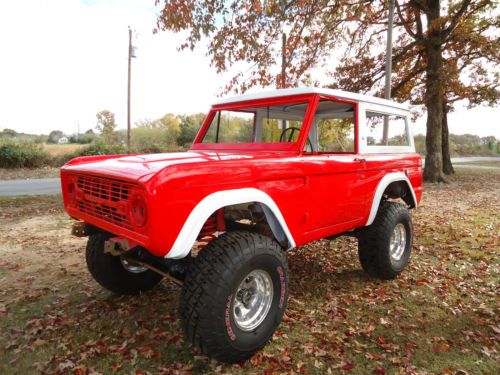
(213, 226)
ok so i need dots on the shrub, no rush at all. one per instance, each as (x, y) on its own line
(98, 148)
(152, 140)
(23, 155)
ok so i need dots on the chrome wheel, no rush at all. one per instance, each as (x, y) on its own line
(398, 242)
(253, 300)
(132, 267)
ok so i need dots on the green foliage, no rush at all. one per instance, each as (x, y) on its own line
(22, 155)
(106, 125)
(156, 135)
(189, 126)
(100, 148)
(271, 130)
(82, 139)
(153, 140)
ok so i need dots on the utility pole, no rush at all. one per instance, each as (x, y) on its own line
(283, 60)
(283, 70)
(388, 67)
(128, 83)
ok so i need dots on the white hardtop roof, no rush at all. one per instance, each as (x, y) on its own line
(312, 90)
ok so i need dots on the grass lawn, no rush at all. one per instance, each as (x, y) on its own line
(439, 317)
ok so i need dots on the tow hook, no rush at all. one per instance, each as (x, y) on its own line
(118, 246)
(82, 229)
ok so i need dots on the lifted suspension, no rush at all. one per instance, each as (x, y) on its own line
(214, 224)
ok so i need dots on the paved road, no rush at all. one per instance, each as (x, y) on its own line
(49, 186)
(42, 186)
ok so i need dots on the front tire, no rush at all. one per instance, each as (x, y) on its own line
(384, 247)
(234, 295)
(114, 273)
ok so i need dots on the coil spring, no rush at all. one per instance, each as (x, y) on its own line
(214, 223)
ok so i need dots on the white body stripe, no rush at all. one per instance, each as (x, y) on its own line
(384, 182)
(211, 203)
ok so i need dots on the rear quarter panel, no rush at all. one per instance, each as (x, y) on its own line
(378, 165)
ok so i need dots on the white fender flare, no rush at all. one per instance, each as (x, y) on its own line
(382, 185)
(211, 203)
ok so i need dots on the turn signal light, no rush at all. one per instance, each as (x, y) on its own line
(72, 193)
(139, 211)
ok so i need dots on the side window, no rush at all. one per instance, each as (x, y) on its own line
(336, 134)
(386, 130)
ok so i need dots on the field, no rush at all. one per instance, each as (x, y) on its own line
(440, 316)
(56, 149)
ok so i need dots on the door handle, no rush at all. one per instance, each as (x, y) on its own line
(360, 160)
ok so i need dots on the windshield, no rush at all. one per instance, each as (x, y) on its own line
(264, 124)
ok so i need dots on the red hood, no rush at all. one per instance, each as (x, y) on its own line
(142, 167)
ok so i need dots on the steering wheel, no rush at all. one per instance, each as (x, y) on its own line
(292, 131)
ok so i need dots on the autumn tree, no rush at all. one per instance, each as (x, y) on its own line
(54, 136)
(8, 133)
(250, 32)
(168, 125)
(106, 125)
(469, 58)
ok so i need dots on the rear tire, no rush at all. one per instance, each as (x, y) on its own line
(234, 295)
(385, 246)
(109, 271)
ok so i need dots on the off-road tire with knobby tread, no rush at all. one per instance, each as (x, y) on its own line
(109, 272)
(374, 242)
(208, 292)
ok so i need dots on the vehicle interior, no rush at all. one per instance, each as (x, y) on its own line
(332, 130)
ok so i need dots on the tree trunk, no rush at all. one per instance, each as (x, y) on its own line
(447, 166)
(433, 170)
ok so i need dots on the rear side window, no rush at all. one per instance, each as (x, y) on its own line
(386, 130)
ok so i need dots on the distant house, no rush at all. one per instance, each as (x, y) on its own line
(62, 140)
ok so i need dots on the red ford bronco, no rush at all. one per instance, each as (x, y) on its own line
(267, 172)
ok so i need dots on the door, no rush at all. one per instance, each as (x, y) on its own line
(335, 175)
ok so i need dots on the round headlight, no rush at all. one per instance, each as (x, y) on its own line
(139, 211)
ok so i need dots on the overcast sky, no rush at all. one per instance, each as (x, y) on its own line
(62, 61)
